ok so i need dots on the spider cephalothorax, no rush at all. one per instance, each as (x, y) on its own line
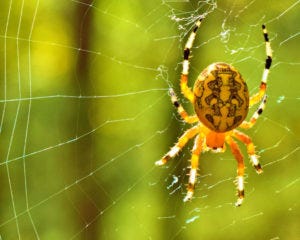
(221, 101)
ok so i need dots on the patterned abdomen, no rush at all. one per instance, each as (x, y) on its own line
(221, 97)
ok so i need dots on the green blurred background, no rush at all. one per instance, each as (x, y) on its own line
(85, 113)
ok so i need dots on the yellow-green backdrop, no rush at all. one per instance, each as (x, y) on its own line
(85, 113)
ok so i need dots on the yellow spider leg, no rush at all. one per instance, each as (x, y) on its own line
(186, 91)
(250, 149)
(255, 116)
(182, 141)
(184, 115)
(240, 169)
(263, 85)
(194, 167)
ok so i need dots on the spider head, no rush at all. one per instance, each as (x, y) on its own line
(215, 141)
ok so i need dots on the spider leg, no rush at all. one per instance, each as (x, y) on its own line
(196, 151)
(240, 169)
(255, 116)
(182, 141)
(187, 92)
(250, 149)
(263, 85)
(184, 115)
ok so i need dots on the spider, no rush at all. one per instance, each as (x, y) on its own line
(221, 101)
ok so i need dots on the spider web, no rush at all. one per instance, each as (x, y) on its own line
(85, 113)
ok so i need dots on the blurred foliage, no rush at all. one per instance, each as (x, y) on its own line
(85, 113)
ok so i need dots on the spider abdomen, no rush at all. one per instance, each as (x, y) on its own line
(221, 97)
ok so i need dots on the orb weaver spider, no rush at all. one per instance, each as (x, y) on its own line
(221, 101)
